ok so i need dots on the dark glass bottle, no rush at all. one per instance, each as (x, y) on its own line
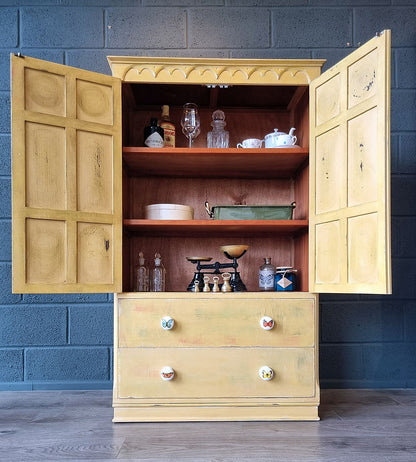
(153, 135)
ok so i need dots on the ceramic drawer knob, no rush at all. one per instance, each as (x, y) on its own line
(266, 323)
(167, 373)
(266, 373)
(167, 323)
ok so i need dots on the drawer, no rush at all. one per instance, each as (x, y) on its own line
(216, 372)
(216, 322)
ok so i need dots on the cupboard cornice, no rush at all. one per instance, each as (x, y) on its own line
(215, 71)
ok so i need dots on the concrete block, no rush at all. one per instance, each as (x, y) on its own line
(66, 363)
(92, 60)
(341, 362)
(410, 321)
(33, 325)
(55, 56)
(260, 3)
(65, 298)
(369, 21)
(62, 27)
(271, 53)
(404, 277)
(349, 2)
(362, 322)
(406, 75)
(183, 2)
(146, 28)
(4, 113)
(392, 362)
(5, 70)
(394, 153)
(403, 114)
(403, 195)
(332, 55)
(6, 295)
(190, 53)
(9, 27)
(11, 365)
(407, 154)
(5, 198)
(312, 28)
(5, 155)
(231, 28)
(6, 240)
(101, 3)
(403, 237)
(91, 325)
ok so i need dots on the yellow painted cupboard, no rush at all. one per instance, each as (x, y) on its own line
(81, 182)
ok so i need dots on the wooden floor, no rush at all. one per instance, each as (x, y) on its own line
(356, 425)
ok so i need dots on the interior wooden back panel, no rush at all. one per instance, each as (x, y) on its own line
(66, 179)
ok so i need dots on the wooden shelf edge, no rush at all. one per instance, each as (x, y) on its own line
(216, 163)
(213, 151)
(207, 226)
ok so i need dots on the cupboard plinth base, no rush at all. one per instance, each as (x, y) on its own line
(215, 413)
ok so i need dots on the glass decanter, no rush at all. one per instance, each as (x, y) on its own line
(218, 137)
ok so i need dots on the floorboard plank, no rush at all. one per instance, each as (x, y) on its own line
(355, 426)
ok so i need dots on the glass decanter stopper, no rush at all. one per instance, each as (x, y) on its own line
(218, 137)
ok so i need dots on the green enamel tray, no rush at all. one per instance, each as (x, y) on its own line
(253, 212)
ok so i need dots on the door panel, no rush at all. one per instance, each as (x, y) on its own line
(66, 131)
(349, 219)
(46, 160)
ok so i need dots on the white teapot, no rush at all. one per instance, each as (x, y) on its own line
(280, 139)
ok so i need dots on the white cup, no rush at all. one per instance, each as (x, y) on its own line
(250, 143)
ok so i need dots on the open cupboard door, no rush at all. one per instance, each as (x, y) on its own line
(350, 174)
(67, 217)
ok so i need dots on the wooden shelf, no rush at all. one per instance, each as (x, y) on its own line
(214, 227)
(215, 163)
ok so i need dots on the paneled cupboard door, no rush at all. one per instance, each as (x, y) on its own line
(349, 213)
(67, 219)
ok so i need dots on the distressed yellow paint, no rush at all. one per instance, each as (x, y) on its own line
(213, 380)
(215, 71)
(46, 160)
(230, 322)
(57, 158)
(216, 372)
(362, 151)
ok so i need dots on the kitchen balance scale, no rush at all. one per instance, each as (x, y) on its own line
(233, 252)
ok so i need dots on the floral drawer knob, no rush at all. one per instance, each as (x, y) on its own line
(167, 373)
(266, 373)
(266, 323)
(167, 323)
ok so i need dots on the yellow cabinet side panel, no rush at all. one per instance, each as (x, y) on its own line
(66, 166)
(349, 222)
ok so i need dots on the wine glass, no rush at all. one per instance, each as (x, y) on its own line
(190, 122)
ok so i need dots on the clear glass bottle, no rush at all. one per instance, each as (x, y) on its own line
(266, 275)
(168, 128)
(218, 137)
(142, 275)
(158, 275)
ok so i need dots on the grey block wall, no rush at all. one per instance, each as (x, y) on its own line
(65, 341)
